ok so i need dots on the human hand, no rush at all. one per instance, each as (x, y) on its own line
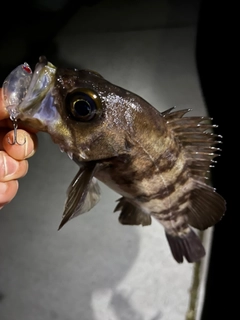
(13, 163)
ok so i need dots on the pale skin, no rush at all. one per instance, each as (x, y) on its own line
(13, 158)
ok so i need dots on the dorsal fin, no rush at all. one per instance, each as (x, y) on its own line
(196, 136)
(164, 113)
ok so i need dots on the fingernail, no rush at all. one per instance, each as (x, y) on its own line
(28, 149)
(26, 144)
(10, 165)
(23, 141)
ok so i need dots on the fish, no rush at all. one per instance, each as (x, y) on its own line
(158, 162)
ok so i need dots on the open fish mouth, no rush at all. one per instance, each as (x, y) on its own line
(26, 92)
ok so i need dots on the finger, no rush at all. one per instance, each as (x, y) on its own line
(26, 146)
(3, 132)
(11, 169)
(8, 191)
(3, 111)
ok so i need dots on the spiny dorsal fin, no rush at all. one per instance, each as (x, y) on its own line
(167, 111)
(196, 136)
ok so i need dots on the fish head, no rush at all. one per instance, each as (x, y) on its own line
(85, 114)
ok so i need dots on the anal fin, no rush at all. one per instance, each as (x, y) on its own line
(188, 246)
(131, 215)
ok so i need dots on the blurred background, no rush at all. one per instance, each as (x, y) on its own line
(170, 53)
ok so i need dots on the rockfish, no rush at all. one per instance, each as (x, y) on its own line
(157, 161)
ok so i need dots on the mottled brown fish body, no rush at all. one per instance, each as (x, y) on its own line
(154, 180)
(157, 161)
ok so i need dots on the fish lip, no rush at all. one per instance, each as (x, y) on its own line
(38, 67)
(42, 60)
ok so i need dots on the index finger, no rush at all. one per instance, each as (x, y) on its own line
(26, 146)
(3, 111)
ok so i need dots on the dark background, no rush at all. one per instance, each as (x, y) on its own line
(23, 33)
(215, 61)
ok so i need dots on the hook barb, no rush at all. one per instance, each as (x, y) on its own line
(15, 141)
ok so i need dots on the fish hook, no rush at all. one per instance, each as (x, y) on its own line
(15, 126)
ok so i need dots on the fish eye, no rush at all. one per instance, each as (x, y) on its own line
(83, 104)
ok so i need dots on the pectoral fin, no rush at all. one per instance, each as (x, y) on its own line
(83, 193)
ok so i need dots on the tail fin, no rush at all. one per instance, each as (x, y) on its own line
(188, 246)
